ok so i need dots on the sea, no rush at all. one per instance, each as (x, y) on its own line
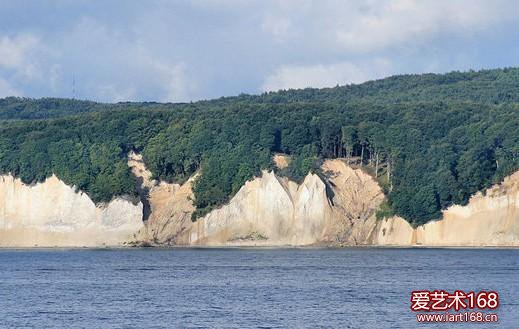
(246, 287)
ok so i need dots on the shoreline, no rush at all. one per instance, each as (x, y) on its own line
(5, 248)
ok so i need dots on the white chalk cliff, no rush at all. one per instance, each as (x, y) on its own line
(273, 211)
(491, 219)
(53, 214)
(268, 211)
(338, 209)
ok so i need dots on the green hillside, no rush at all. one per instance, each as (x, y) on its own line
(437, 139)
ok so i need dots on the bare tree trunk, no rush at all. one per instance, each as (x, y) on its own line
(376, 164)
(389, 174)
(361, 154)
(388, 169)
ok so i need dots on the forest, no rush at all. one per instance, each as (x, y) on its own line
(432, 140)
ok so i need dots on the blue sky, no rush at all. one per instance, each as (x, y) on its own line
(191, 50)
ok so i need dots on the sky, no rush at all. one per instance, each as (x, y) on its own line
(181, 51)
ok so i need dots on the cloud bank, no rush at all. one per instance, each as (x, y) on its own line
(184, 51)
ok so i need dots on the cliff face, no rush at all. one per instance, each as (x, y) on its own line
(491, 219)
(53, 214)
(267, 211)
(274, 211)
(170, 207)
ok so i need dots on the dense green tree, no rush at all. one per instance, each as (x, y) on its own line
(431, 140)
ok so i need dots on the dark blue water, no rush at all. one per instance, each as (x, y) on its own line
(244, 288)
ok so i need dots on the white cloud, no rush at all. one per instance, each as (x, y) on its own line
(361, 26)
(54, 76)
(20, 53)
(396, 22)
(13, 51)
(6, 89)
(320, 75)
(124, 65)
(178, 86)
(351, 35)
(173, 79)
(114, 93)
(279, 27)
